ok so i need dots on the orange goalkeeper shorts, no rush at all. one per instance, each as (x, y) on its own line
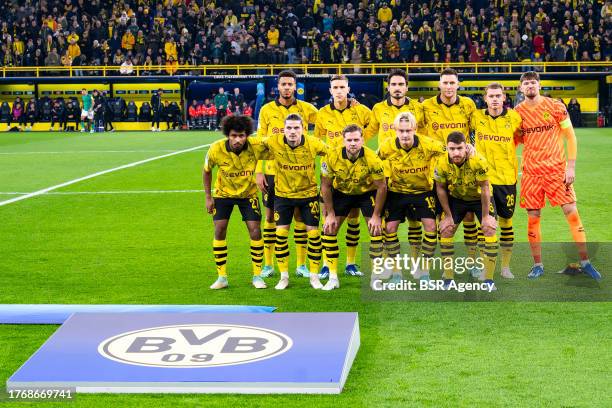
(534, 190)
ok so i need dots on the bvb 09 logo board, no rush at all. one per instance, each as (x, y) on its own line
(195, 345)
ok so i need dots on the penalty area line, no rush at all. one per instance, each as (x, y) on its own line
(99, 173)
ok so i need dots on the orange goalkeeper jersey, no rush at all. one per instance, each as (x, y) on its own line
(544, 151)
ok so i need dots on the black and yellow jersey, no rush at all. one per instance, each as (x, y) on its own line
(441, 119)
(294, 166)
(352, 177)
(272, 121)
(331, 122)
(494, 138)
(409, 171)
(384, 114)
(463, 181)
(235, 177)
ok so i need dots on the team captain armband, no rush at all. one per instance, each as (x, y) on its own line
(565, 123)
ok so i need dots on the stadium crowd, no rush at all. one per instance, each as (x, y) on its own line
(170, 33)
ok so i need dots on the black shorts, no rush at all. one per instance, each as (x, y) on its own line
(268, 198)
(344, 203)
(309, 209)
(249, 208)
(400, 206)
(504, 197)
(459, 208)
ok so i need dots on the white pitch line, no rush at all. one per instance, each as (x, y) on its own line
(99, 173)
(87, 151)
(107, 192)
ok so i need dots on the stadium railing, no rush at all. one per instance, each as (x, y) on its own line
(362, 68)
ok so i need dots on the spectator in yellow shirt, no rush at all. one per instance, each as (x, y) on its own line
(273, 35)
(73, 50)
(171, 66)
(73, 37)
(385, 14)
(128, 41)
(230, 19)
(170, 49)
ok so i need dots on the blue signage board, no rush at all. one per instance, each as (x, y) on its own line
(196, 353)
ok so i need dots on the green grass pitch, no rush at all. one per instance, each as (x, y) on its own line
(133, 243)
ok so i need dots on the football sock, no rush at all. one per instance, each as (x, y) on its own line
(269, 238)
(301, 241)
(314, 250)
(414, 237)
(470, 237)
(220, 253)
(330, 247)
(575, 224)
(534, 235)
(281, 250)
(447, 250)
(490, 256)
(352, 240)
(257, 248)
(506, 240)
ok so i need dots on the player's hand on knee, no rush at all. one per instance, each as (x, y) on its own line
(489, 225)
(331, 224)
(262, 184)
(210, 205)
(375, 225)
(447, 226)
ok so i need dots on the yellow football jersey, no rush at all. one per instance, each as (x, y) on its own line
(294, 167)
(350, 177)
(272, 121)
(441, 119)
(331, 122)
(383, 115)
(495, 141)
(235, 175)
(463, 181)
(410, 170)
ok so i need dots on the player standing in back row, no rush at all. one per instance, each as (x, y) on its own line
(383, 115)
(495, 129)
(271, 123)
(445, 113)
(546, 172)
(332, 119)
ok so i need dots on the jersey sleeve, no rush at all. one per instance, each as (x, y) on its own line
(440, 173)
(209, 161)
(377, 169)
(373, 125)
(263, 123)
(320, 147)
(482, 169)
(327, 168)
(436, 148)
(365, 116)
(319, 130)
(261, 153)
(311, 114)
(561, 116)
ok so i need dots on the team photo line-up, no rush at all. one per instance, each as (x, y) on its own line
(439, 163)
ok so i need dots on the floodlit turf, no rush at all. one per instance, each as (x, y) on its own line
(137, 244)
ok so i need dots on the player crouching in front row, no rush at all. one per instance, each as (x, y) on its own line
(234, 186)
(352, 177)
(462, 185)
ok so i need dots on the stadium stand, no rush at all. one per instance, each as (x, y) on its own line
(195, 32)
